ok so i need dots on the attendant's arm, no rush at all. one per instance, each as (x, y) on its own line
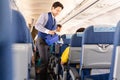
(40, 25)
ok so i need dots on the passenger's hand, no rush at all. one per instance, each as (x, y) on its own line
(34, 49)
(33, 60)
(51, 32)
(62, 63)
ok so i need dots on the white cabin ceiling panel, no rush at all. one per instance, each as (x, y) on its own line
(86, 17)
(31, 9)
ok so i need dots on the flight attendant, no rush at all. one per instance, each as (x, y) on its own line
(46, 25)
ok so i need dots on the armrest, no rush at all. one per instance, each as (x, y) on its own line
(74, 74)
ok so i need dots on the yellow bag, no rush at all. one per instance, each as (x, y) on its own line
(65, 54)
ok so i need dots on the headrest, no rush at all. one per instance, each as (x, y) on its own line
(66, 38)
(99, 35)
(76, 40)
(22, 33)
(117, 35)
(63, 36)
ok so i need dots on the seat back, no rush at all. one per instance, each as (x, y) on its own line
(66, 42)
(115, 67)
(75, 48)
(66, 39)
(22, 33)
(21, 59)
(97, 47)
(23, 36)
(6, 72)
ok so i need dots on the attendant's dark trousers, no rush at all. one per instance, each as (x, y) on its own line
(43, 49)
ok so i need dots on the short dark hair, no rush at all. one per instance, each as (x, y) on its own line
(57, 4)
(59, 25)
(80, 30)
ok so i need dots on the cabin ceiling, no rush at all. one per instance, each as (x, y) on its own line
(76, 13)
(31, 9)
(92, 12)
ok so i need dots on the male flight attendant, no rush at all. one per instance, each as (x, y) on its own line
(46, 25)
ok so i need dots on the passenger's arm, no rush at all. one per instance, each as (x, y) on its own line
(33, 59)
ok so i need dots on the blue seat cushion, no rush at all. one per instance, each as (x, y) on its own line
(97, 77)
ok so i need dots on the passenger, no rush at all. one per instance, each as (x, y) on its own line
(46, 25)
(58, 29)
(65, 54)
(59, 26)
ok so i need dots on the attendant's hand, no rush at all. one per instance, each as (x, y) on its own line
(52, 32)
